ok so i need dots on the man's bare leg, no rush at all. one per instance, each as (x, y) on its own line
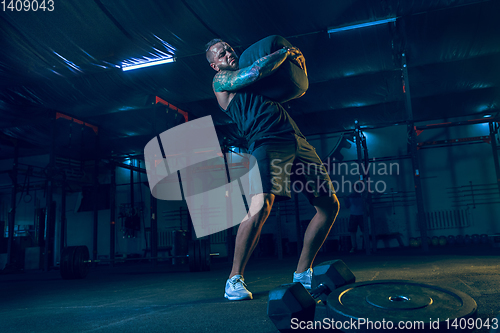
(327, 208)
(249, 231)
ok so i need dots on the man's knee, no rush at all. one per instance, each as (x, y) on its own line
(262, 204)
(327, 205)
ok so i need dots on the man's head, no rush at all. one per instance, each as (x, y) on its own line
(221, 56)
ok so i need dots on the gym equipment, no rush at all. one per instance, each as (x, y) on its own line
(290, 302)
(475, 239)
(75, 259)
(329, 276)
(484, 239)
(413, 242)
(442, 241)
(459, 240)
(380, 306)
(289, 81)
(293, 301)
(435, 241)
(199, 256)
(451, 240)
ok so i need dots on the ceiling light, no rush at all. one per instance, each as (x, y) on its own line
(147, 64)
(361, 25)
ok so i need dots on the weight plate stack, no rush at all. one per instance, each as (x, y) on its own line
(74, 262)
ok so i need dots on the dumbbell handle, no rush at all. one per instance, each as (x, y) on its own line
(320, 289)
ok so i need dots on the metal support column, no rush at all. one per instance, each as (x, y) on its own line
(96, 211)
(493, 134)
(279, 232)
(13, 201)
(368, 209)
(112, 214)
(154, 229)
(412, 135)
(132, 197)
(62, 242)
(230, 217)
(366, 230)
(48, 203)
(298, 225)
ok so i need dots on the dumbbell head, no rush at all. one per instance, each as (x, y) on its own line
(293, 302)
(333, 274)
(290, 302)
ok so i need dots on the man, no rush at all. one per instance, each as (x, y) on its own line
(279, 147)
(355, 203)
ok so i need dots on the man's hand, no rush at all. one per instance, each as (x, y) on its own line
(297, 57)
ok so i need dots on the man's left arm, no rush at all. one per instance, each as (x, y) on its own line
(235, 80)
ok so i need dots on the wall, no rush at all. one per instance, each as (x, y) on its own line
(80, 224)
(462, 177)
(446, 172)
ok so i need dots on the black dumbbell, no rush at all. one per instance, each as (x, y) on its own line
(329, 276)
(290, 304)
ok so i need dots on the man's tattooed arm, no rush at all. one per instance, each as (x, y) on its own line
(234, 80)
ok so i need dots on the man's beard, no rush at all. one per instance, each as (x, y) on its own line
(228, 67)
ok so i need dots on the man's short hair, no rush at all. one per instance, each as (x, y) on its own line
(209, 45)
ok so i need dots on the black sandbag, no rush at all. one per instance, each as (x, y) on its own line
(289, 81)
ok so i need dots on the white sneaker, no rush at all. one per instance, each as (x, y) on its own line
(304, 278)
(236, 289)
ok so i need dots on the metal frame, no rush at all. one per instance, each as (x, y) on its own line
(414, 155)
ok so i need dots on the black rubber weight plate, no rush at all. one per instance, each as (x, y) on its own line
(205, 255)
(199, 267)
(398, 301)
(81, 266)
(67, 266)
(194, 256)
(192, 261)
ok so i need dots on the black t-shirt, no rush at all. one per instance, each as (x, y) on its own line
(259, 118)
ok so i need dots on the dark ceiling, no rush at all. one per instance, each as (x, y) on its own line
(68, 61)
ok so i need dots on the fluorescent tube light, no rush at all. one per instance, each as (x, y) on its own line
(361, 25)
(147, 64)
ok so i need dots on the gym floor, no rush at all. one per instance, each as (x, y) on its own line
(143, 298)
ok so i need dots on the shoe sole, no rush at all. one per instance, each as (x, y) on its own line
(307, 286)
(237, 298)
